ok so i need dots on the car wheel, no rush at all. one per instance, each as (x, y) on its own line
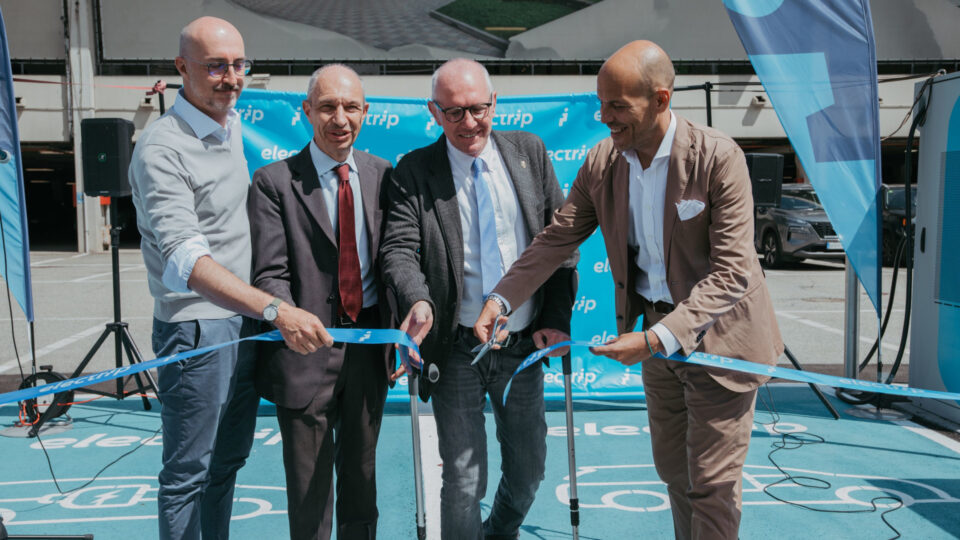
(772, 255)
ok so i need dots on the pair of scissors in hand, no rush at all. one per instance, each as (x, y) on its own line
(498, 324)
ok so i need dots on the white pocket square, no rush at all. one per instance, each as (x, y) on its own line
(689, 209)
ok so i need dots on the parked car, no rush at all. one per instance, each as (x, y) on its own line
(804, 191)
(797, 229)
(893, 218)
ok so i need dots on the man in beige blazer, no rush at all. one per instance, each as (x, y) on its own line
(673, 201)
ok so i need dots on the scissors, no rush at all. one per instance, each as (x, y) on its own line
(498, 324)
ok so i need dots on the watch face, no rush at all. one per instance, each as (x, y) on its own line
(270, 313)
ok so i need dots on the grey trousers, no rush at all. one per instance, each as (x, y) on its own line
(208, 415)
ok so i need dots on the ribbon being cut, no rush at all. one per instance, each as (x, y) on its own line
(409, 361)
(342, 335)
(712, 360)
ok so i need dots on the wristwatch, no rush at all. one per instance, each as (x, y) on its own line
(499, 301)
(272, 310)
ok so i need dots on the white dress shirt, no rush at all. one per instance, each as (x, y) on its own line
(511, 230)
(329, 187)
(648, 189)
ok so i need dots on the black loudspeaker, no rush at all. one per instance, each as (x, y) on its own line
(766, 176)
(107, 144)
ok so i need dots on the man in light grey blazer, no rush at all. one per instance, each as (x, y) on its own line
(460, 212)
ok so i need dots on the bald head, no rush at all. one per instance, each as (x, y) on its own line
(634, 87)
(202, 32)
(334, 74)
(335, 107)
(464, 104)
(460, 72)
(207, 46)
(642, 62)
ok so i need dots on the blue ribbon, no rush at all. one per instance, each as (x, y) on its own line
(341, 335)
(712, 360)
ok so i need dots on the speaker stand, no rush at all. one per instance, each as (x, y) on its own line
(123, 341)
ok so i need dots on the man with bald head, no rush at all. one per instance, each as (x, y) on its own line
(461, 210)
(189, 181)
(315, 220)
(673, 201)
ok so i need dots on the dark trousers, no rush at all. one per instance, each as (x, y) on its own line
(458, 404)
(338, 432)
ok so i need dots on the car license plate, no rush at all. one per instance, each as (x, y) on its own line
(832, 246)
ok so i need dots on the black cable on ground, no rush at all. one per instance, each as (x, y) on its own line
(3, 247)
(794, 441)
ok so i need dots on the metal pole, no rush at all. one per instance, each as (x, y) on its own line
(571, 451)
(851, 323)
(414, 390)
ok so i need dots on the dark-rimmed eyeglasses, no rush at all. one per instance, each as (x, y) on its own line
(455, 114)
(219, 69)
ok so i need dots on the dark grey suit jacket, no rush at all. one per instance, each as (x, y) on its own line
(422, 250)
(295, 259)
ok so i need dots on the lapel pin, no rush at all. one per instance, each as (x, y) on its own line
(523, 164)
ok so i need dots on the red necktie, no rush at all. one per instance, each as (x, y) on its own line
(351, 288)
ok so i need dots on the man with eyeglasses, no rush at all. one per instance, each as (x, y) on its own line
(190, 181)
(460, 212)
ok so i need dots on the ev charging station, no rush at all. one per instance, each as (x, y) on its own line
(935, 340)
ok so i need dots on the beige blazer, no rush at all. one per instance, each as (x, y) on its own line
(722, 303)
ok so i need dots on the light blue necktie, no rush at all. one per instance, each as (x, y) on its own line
(491, 265)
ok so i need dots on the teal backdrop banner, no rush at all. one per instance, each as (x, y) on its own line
(274, 127)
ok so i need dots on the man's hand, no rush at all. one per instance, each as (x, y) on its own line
(302, 331)
(629, 349)
(547, 337)
(488, 317)
(418, 322)
(417, 325)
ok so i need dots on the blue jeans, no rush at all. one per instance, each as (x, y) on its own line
(209, 413)
(458, 403)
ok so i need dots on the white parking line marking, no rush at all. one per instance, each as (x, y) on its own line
(942, 440)
(92, 276)
(10, 364)
(45, 261)
(430, 458)
(832, 330)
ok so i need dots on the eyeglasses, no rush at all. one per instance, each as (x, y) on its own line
(456, 114)
(219, 69)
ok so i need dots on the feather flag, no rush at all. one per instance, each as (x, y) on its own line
(15, 266)
(817, 62)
